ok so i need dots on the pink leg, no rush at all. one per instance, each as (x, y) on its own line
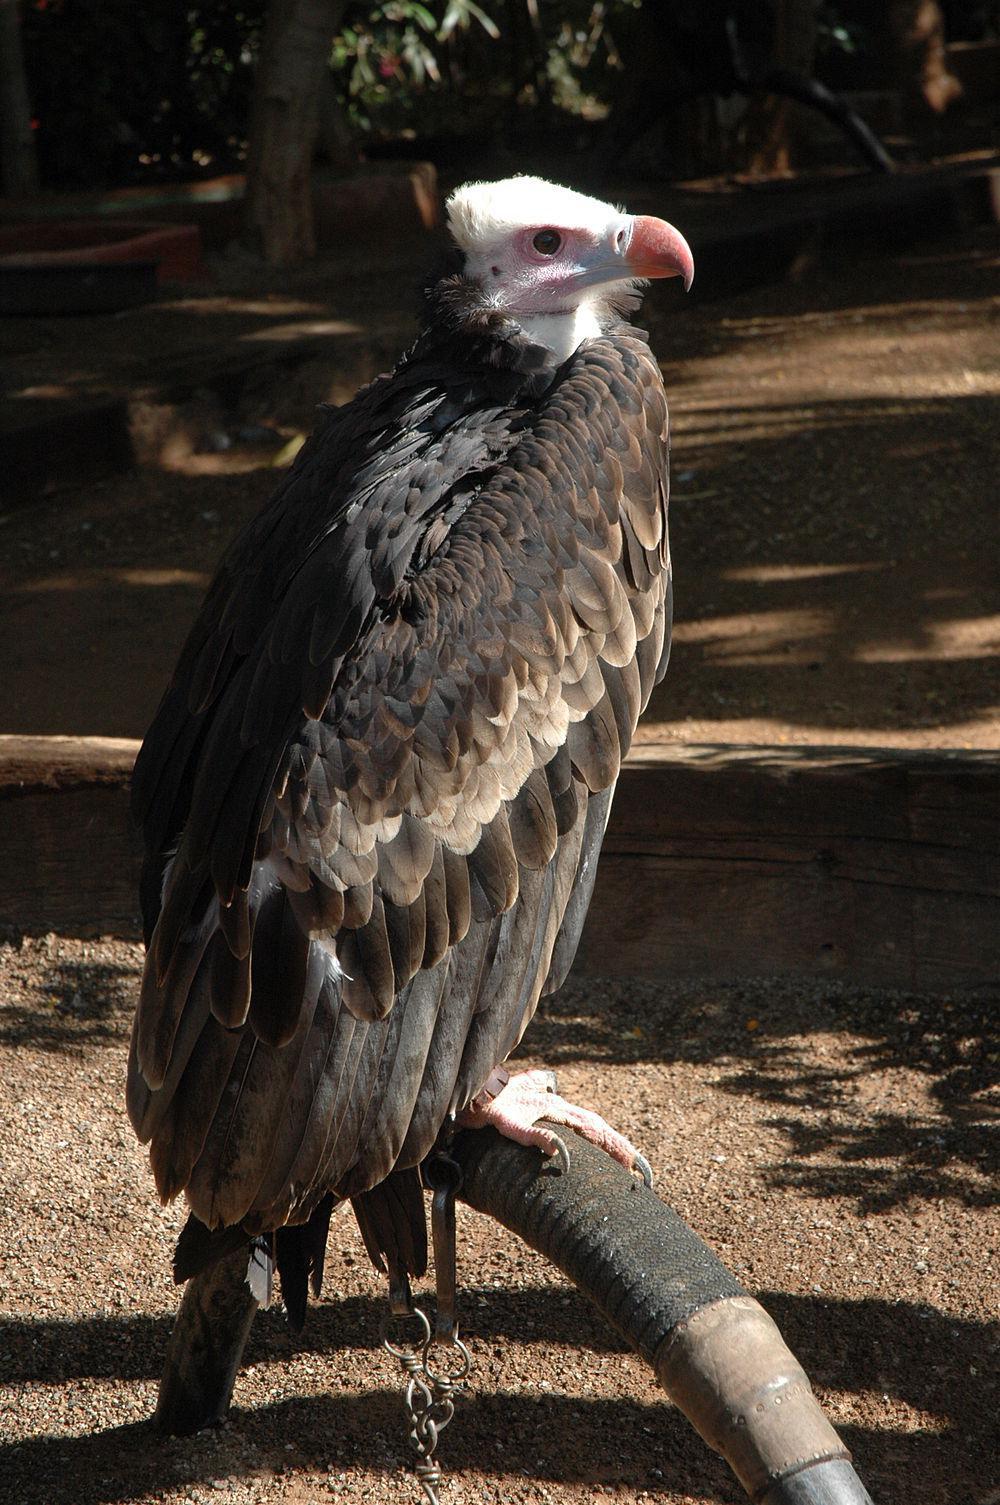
(513, 1105)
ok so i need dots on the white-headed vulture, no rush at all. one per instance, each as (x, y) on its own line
(374, 793)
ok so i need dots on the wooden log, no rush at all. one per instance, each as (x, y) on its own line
(874, 865)
(69, 860)
(877, 866)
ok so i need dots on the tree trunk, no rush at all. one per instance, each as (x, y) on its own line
(922, 64)
(18, 165)
(770, 121)
(285, 124)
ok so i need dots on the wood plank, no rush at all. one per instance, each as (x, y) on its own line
(69, 860)
(875, 865)
(878, 866)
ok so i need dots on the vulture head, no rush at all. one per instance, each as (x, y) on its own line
(555, 260)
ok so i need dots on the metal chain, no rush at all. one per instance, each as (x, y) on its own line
(432, 1386)
(429, 1397)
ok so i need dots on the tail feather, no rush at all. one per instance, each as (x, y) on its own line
(146, 1107)
(190, 1112)
(166, 984)
(342, 1143)
(300, 1253)
(393, 1223)
(318, 1071)
(303, 1184)
(401, 1072)
(227, 1175)
(279, 959)
(230, 982)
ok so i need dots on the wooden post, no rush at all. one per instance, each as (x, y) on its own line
(206, 1344)
(770, 120)
(873, 865)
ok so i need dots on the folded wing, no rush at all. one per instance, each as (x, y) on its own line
(375, 793)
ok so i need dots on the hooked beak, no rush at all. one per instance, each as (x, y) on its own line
(656, 249)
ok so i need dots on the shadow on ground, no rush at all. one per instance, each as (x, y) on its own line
(81, 1003)
(841, 1140)
(834, 566)
(906, 1352)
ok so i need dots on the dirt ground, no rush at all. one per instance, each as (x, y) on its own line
(834, 1148)
(835, 532)
(834, 522)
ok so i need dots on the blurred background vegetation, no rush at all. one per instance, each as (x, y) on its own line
(122, 93)
(98, 94)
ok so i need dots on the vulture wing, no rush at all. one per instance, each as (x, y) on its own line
(375, 791)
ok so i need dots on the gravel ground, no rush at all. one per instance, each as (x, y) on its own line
(833, 1147)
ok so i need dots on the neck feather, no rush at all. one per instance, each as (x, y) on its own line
(562, 332)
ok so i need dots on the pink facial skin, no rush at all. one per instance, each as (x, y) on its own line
(536, 281)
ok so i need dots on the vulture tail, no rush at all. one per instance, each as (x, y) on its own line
(575, 913)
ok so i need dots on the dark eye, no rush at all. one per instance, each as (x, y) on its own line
(547, 242)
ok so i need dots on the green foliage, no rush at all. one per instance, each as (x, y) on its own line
(126, 92)
(582, 52)
(389, 54)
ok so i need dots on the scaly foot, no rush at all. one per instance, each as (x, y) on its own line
(513, 1104)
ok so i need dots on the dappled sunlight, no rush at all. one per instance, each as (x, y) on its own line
(301, 329)
(758, 637)
(96, 579)
(179, 459)
(835, 560)
(921, 313)
(46, 391)
(833, 527)
(98, 589)
(269, 307)
(843, 349)
(885, 1098)
(719, 423)
(963, 638)
(766, 574)
(749, 724)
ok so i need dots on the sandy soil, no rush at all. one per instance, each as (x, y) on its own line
(833, 1147)
(835, 524)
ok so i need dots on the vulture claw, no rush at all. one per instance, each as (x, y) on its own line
(516, 1106)
(641, 1164)
(560, 1154)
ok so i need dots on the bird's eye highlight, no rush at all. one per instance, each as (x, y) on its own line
(547, 242)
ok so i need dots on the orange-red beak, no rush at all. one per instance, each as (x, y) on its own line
(656, 249)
